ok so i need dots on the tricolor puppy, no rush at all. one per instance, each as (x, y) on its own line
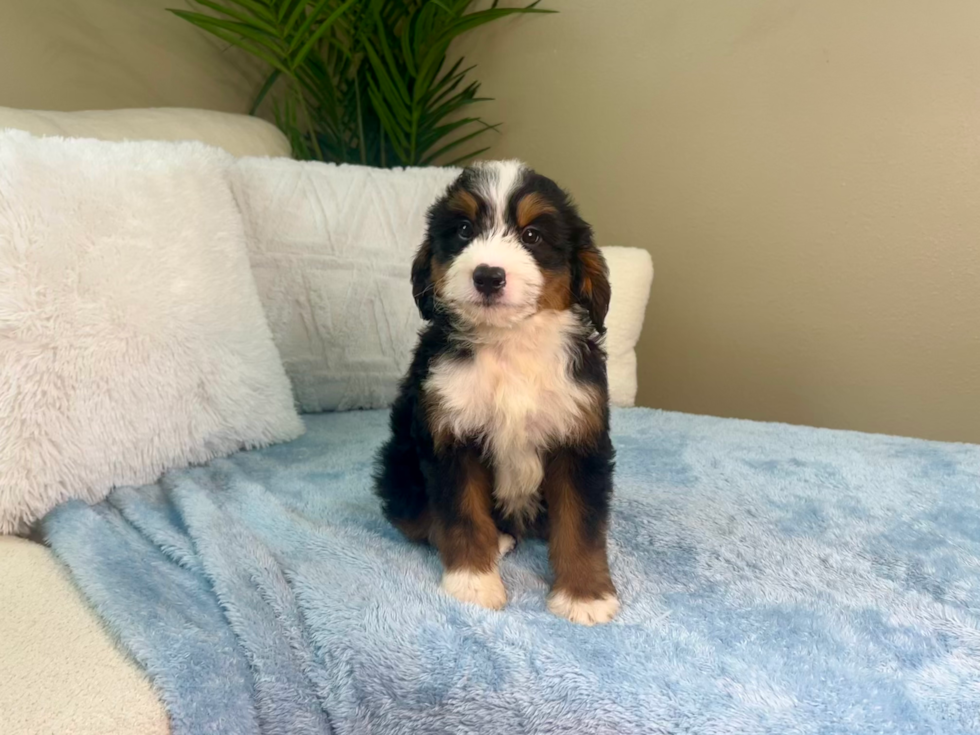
(501, 428)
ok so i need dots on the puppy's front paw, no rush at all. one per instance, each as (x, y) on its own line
(485, 589)
(584, 612)
(505, 543)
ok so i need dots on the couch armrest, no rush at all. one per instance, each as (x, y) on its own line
(60, 672)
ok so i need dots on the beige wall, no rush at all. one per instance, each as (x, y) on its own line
(108, 54)
(807, 177)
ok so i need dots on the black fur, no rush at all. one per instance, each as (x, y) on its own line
(412, 478)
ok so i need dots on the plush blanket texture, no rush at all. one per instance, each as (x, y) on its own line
(774, 579)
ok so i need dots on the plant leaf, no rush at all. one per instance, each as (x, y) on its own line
(257, 21)
(212, 26)
(325, 26)
(259, 10)
(303, 30)
(439, 98)
(364, 81)
(397, 141)
(466, 157)
(294, 16)
(407, 52)
(269, 82)
(394, 97)
(458, 142)
(234, 28)
(286, 7)
(396, 79)
(395, 128)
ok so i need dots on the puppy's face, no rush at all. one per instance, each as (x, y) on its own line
(504, 243)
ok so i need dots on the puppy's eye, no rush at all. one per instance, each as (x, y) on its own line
(465, 231)
(530, 236)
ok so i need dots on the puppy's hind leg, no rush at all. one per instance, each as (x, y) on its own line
(399, 484)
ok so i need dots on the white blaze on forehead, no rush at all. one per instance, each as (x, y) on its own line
(501, 180)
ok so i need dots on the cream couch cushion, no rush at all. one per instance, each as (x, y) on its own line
(59, 670)
(240, 135)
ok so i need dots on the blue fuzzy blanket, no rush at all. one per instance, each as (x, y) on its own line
(774, 579)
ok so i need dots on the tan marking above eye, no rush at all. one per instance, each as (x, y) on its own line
(464, 202)
(532, 206)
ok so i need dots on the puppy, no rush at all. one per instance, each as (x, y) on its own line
(501, 427)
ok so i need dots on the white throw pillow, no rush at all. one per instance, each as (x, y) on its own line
(331, 248)
(132, 338)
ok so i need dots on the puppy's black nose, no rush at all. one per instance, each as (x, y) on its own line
(489, 279)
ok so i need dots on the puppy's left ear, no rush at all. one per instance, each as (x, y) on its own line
(422, 286)
(590, 276)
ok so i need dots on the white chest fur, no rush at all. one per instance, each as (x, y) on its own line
(517, 394)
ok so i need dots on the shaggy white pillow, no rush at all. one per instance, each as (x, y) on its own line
(331, 248)
(132, 338)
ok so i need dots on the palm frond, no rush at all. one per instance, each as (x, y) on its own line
(362, 81)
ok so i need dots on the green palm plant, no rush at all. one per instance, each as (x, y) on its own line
(362, 81)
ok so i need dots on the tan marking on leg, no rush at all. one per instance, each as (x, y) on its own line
(470, 547)
(472, 542)
(577, 558)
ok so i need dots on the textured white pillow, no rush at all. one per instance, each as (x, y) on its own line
(132, 338)
(331, 248)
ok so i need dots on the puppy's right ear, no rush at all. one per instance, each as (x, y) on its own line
(423, 289)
